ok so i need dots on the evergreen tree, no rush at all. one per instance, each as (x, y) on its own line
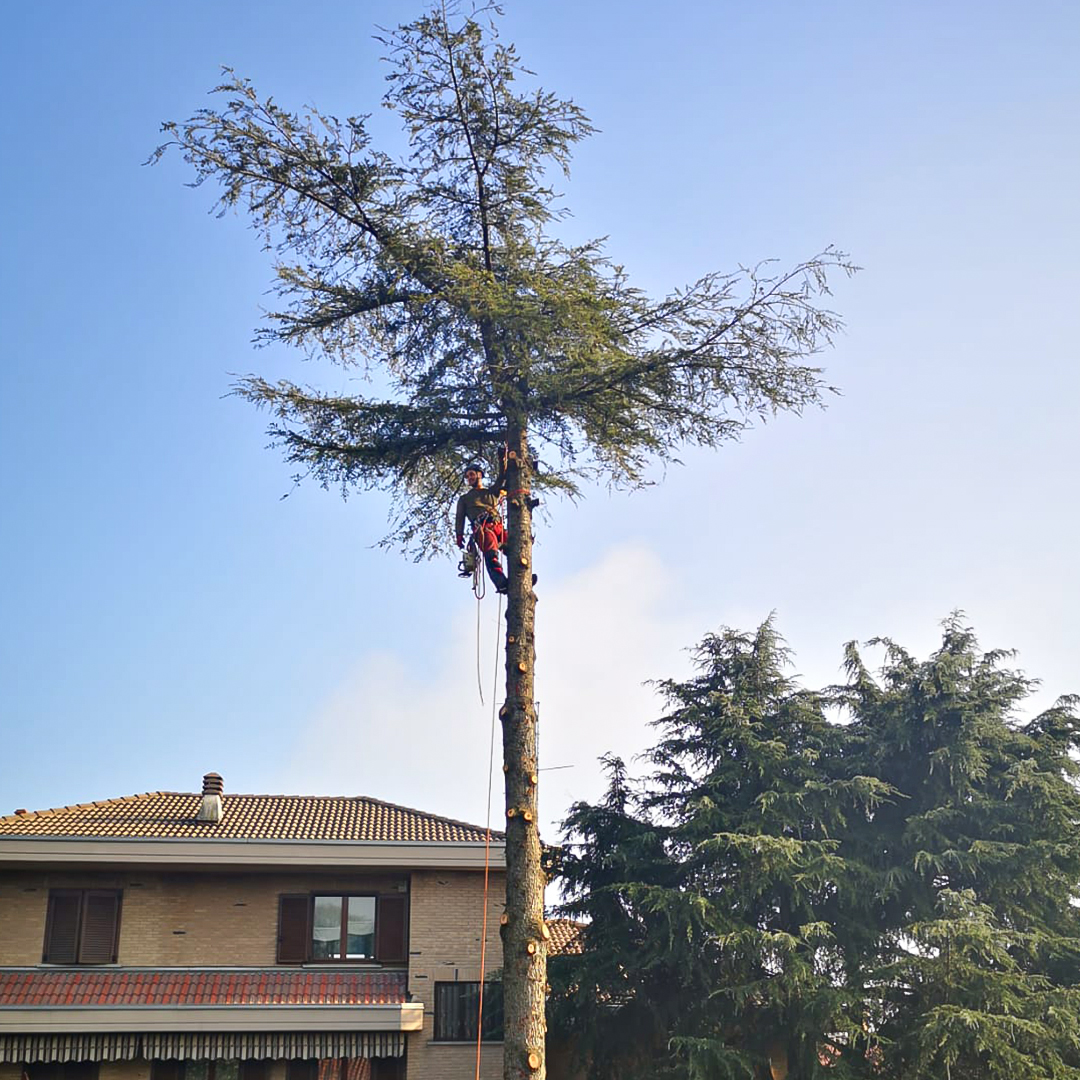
(440, 275)
(980, 961)
(786, 895)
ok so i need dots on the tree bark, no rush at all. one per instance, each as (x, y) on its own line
(524, 943)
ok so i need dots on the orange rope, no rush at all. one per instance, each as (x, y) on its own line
(487, 857)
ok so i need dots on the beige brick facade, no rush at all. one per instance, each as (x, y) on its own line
(212, 919)
(444, 946)
(174, 919)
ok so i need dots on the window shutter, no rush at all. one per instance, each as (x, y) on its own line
(294, 933)
(391, 940)
(62, 928)
(100, 923)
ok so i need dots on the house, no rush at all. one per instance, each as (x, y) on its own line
(210, 936)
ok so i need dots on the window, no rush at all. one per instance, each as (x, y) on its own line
(205, 1069)
(457, 1010)
(82, 926)
(343, 928)
(326, 929)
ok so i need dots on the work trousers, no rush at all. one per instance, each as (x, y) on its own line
(489, 535)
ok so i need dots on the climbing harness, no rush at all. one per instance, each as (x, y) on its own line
(488, 533)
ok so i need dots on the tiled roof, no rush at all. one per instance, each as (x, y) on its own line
(565, 936)
(170, 988)
(171, 815)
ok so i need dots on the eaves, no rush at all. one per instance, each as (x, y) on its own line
(112, 852)
(404, 1016)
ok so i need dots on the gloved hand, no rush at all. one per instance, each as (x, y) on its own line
(460, 540)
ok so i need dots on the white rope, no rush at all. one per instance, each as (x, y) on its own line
(479, 678)
(494, 692)
(487, 843)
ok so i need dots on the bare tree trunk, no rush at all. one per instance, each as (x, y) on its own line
(524, 941)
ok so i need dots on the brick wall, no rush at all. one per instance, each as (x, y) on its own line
(23, 900)
(444, 946)
(173, 919)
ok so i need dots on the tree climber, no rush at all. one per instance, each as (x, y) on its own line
(481, 506)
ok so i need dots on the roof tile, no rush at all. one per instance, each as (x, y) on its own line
(171, 815)
(173, 988)
(566, 936)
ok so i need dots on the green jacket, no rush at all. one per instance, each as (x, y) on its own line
(477, 501)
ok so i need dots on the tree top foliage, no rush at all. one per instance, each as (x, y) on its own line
(891, 895)
(438, 274)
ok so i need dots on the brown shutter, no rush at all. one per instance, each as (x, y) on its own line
(391, 942)
(100, 926)
(294, 933)
(255, 1069)
(62, 928)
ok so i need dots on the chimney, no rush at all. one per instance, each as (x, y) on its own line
(210, 807)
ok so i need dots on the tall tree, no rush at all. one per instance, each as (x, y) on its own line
(980, 959)
(439, 273)
(786, 895)
(717, 893)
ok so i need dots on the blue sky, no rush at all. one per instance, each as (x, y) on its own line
(168, 613)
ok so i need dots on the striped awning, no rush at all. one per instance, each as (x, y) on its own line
(197, 1044)
(17, 1048)
(274, 1044)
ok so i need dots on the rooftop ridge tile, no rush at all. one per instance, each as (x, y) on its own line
(53, 810)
